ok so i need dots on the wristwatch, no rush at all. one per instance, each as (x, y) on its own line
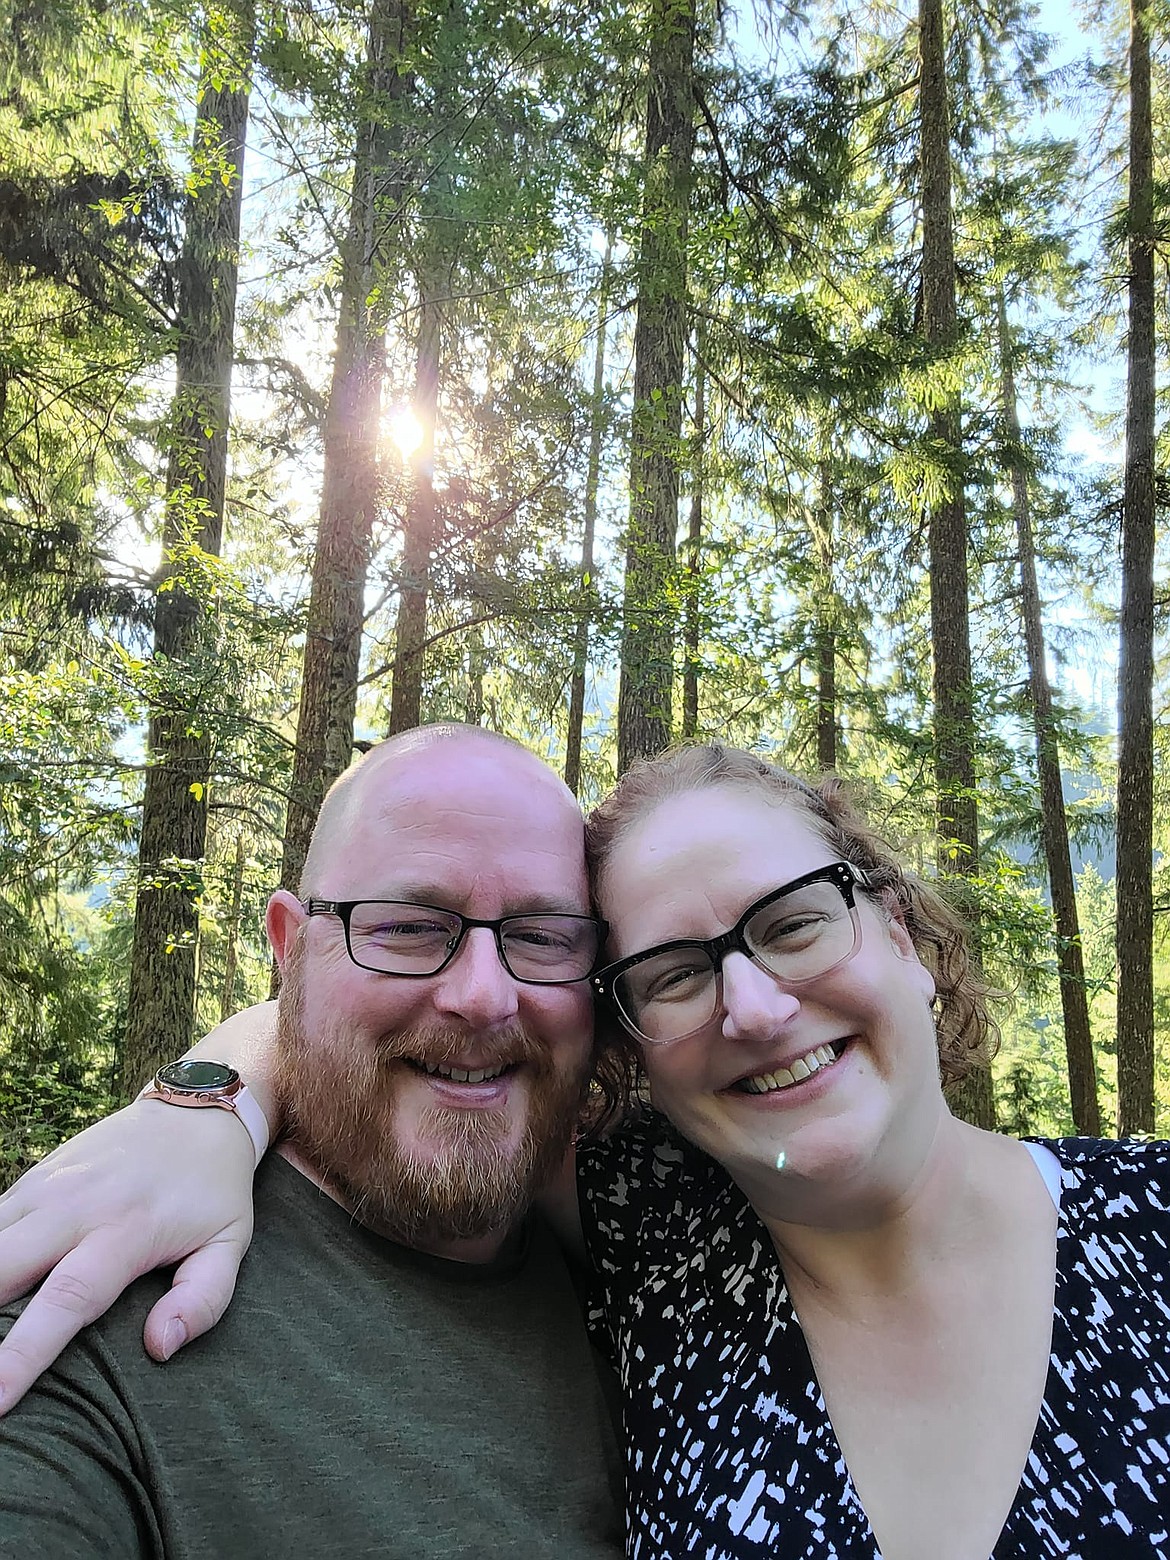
(198, 1083)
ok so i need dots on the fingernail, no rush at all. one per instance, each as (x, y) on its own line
(174, 1337)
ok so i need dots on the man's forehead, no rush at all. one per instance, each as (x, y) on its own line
(424, 788)
(430, 821)
(491, 827)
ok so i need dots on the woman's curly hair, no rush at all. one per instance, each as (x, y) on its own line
(967, 1034)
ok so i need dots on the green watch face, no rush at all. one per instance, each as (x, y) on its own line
(195, 1077)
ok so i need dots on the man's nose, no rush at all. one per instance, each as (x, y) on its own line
(475, 986)
(755, 1005)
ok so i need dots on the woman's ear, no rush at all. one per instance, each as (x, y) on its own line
(899, 933)
(900, 938)
(903, 945)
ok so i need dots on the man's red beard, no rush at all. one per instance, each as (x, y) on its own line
(475, 1178)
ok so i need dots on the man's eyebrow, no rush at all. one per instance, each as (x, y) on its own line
(542, 904)
(532, 904)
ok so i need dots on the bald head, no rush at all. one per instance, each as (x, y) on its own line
(440, 762)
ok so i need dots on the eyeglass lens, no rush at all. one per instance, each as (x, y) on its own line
(404, 939)
(798, 937)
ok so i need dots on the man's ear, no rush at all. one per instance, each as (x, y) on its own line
(282, 920)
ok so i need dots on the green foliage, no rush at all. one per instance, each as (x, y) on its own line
(518, 159)
(39, 1109)
(56, 1030)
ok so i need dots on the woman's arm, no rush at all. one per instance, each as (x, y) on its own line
(149, 1186)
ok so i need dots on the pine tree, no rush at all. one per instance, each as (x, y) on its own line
(349, 492)
(1074, 1001)
(410, 634)
(1135, 762)
(692, 586)
(173, 836)
(647, 661)
(950, 632)
(576, 716)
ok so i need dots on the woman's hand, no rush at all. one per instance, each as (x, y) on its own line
(147, 1187)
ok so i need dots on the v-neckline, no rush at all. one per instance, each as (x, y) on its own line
(833, 1446)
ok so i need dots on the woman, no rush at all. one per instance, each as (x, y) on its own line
(845, 1321)
(873, 1330)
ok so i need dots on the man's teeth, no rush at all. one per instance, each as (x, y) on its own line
(785, 1077)
(462, 1074)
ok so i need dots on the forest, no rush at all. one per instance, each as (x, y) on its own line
(607, 374)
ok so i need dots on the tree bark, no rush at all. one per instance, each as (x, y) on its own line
(473, 709)
(228, 1002)
(647, 652)
(576, 720)
(161, 1000)
(1135, 759)
(950, 628)
(418, 537)
(349, 491)
(692, 585)
(825, 610)
(1074, 1000)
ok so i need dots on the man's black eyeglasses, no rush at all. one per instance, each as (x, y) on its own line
(392, 937)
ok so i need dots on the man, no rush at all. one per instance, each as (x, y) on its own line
(404, 1371)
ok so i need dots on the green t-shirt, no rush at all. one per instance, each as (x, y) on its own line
(358, 1399)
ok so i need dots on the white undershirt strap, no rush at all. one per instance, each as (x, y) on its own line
(1049, 1167)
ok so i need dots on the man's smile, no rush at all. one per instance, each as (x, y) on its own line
(462, 1074)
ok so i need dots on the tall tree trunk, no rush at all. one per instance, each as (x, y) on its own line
(349, 491)
(1135, 759)
(647, 653)
(950, 628)
(418, 536)
(228, 1002)
(473, 710)
(826, 624)
(1074, 1001)
(161, 1002)
(588, 530)
(694, 552)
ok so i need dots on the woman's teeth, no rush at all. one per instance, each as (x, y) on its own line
(785, 1077)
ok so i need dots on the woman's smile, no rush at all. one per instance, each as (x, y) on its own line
(798, 1071)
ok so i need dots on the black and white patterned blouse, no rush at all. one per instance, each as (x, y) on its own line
(730, 1452)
